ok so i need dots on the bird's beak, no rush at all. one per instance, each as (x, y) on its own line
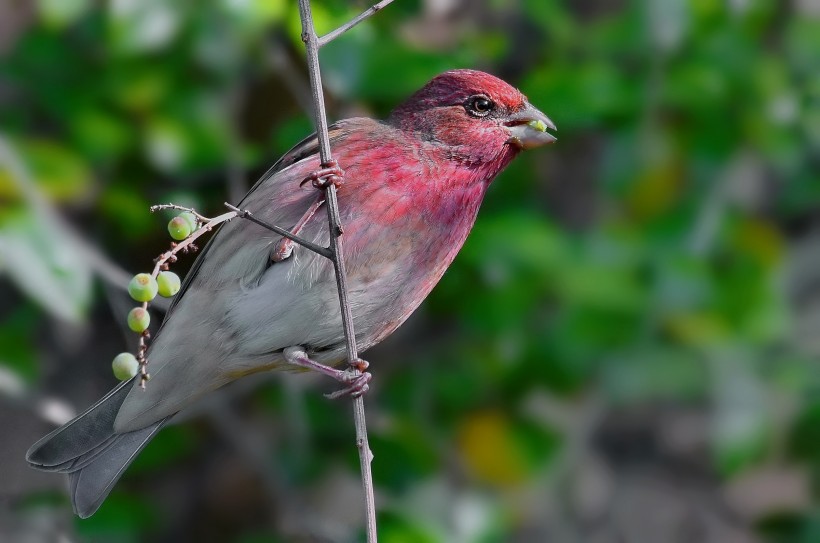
(528, 128)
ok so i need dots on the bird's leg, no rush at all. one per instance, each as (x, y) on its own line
(329, 174)
(355, 376)
(284, 247)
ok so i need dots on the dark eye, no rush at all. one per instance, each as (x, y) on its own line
(479, 106)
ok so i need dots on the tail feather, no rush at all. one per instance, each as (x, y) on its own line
(90, 484)
(80, 435)
(80, 461)
(88, 449)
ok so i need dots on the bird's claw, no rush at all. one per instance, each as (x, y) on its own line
(358, 383)
(356, 379)
(282, 250)
(360, 365)
(329, 174)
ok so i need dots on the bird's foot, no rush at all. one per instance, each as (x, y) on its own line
(329, 174)
(358, 384)
(284, 247)
(355, 377)
(282, 250)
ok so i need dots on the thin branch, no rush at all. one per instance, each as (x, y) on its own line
(334, 222)
(185, 244)
(315, 77)
(312, 45)
(245, 214)
(333, 34)
(162, 207)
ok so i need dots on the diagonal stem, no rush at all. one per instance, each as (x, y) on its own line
(245, 214)
(333, 34)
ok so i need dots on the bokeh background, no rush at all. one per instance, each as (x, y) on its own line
(624, 351)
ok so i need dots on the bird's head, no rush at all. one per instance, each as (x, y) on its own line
(477, 115)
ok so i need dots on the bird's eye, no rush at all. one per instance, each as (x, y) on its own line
(479, 106)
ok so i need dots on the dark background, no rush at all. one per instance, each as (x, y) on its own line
(624, 351)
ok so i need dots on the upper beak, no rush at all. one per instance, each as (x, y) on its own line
(528, 128)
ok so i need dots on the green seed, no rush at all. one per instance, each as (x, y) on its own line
(168, 283)
(125, 366)
(538, 125)
(179, 228)
(190, 218)
(138, 320)
(143, 287)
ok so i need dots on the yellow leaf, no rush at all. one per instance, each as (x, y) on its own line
(696, 328)
(488, 447)
(761, 240)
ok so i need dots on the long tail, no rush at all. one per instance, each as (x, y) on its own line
(88, 449)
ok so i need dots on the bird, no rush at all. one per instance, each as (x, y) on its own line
(410, 191)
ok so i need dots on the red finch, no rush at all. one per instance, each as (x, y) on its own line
(252, 302)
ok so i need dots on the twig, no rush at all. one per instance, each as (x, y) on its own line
(161, 263)
(245, 214)
(312, 45)
(185, 244)
(162, 207)
(333, 34)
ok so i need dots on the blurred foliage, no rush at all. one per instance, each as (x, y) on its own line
(659, 261)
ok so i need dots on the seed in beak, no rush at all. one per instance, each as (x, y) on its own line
(537, 124)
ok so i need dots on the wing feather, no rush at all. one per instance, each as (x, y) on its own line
(304, 149)
(195, 350)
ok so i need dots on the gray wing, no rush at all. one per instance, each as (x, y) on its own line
(302, 150)
(209, 336)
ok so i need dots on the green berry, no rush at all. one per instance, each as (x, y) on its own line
(168, 283)
(179, 228)
(143, 287)
(190, 218)
(138, 320)
(125, 366)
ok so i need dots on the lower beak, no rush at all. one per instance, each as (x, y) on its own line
(528, 128)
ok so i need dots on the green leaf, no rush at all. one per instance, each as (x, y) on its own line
(57, 171)
(167, 448)
(654, 373)
(100, 135)
(60, 13)
(43, 262)
(121, 518)
(805, 435)
(398, 529)
(412, 456)
(16, 343)
(145, 26)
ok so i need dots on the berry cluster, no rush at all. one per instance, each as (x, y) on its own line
(144, 287)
